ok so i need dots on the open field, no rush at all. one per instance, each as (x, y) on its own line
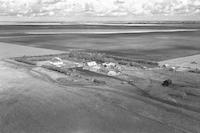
(12, 50)
(189, 62)
(135, 41)
(100, 83)
(39, 99)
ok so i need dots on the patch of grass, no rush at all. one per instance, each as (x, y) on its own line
(89, 56)
(57, 69)
(31, 60)
(24, 60)
(102, 57)
(46, 57)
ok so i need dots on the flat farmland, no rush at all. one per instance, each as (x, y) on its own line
(158, 42)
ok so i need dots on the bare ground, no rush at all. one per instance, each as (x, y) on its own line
(192, 62)
(11, 50)
(31, 102)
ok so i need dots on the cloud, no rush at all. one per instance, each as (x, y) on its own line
(98, 7)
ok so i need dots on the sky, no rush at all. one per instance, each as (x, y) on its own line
(99, 9)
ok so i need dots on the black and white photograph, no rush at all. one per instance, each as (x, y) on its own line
(99, 66)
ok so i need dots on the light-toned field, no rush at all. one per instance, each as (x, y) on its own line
(11, 50)
(192, 62)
